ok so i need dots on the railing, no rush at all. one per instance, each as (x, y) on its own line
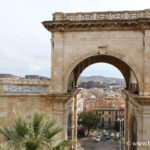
(102, 15)
(25, 89)
(24, 82)
(24, 86)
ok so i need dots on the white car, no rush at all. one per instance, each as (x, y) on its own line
(97, 139)
(106, 133)
(112, 134)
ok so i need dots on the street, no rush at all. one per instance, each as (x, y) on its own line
(88, 143)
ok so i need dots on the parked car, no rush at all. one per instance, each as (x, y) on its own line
(112, 134)
(99, 133)
(97, 139)
(108, 137)
(106, 133)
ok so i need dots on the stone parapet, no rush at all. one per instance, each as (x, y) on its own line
(99, 21)
(110, 15)
(24, 82)
(24, 86)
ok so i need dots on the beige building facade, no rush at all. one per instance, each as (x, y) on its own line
(79, 40)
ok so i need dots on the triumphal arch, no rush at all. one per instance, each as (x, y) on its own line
(78, 40)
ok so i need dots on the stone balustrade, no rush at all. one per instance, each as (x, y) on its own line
(24, 82)
(102, 15)
(24, 86)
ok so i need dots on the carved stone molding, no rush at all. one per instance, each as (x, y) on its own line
(141, 100)
(108, 15)
(98, 21)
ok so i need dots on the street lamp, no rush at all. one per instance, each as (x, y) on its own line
(120, 125)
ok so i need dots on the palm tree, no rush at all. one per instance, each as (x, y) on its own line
(34, 134)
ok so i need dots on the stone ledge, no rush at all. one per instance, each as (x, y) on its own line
(141, 99)
(57, 96)
(97, 25)
(24, 82)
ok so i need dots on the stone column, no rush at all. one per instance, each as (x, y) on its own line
(75, 121)
(133, 109)
(57, 62)
(65, 120)
(126, 125)
(146, 126)
(147, 62)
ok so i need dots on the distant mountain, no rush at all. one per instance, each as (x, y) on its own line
(99, 81)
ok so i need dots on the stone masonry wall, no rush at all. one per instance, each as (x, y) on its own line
(50, 105)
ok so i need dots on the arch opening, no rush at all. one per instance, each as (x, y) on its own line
(129, 75)
(102, 69)
(115, 105)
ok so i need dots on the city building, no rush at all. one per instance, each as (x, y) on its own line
(110, 111)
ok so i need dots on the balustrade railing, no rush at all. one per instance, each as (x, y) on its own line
(24, 86)
(102, 15)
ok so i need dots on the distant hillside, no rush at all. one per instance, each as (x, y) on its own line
(10, 76)
(3, 75)
(99, 81)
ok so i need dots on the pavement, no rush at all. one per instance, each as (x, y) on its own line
(88, 143)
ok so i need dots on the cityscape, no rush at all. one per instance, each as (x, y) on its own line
(107, 100)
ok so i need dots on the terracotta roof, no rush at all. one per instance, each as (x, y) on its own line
(105, 103)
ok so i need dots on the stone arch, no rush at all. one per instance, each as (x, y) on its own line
(108, 57)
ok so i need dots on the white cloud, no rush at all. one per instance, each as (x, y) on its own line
(103, 69)
(34, 67)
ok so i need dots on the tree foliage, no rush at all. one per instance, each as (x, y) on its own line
(33, 134)
(89, 120)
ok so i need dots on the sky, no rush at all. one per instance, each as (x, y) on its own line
(25, 43)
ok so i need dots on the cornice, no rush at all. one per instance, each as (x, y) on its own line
(51, 97)
(142, 100)
(97, 25)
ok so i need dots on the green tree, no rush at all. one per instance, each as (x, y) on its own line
(33, 134)
(89, 120)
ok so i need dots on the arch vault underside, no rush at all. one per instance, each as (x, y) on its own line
(127, 72)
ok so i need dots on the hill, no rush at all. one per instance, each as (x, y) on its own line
(99, 81)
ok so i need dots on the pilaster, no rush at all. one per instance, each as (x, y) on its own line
(147, 63)
(57, 62)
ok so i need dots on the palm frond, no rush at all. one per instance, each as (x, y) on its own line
(36, 123)
(8, 134)
(51, 133)
(48, 125)
(33, 134)
(62, 145)
(21, 127)
(50, 129)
